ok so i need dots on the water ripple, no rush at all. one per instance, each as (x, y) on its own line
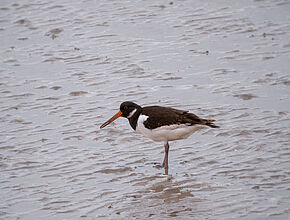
(66, 67)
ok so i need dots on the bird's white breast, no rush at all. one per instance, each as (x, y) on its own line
(166, 133)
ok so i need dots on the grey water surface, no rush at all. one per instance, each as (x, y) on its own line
(67, 65)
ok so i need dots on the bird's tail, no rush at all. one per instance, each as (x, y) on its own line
(211, 124)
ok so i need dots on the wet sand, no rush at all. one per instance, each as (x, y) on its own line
(66, 67)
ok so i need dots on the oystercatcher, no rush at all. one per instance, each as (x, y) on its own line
(161, 123)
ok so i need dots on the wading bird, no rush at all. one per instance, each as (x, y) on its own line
(161, 123)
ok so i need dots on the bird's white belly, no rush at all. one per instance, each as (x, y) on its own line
(166, 133)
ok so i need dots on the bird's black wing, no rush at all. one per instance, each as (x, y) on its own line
(162, 116)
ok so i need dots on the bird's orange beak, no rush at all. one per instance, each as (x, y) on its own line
(119, 114)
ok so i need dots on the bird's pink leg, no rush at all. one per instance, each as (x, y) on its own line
(165, 161)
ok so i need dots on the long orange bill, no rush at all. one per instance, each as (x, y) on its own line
(119, 114)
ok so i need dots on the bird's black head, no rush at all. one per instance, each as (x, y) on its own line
(128, 109)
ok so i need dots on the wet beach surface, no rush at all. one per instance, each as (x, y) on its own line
(67, 65)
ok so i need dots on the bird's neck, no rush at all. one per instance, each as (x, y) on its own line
(134, 119)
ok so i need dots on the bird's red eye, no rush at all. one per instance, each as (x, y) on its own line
(125, 107)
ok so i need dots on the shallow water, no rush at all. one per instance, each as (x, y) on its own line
(66, 67)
